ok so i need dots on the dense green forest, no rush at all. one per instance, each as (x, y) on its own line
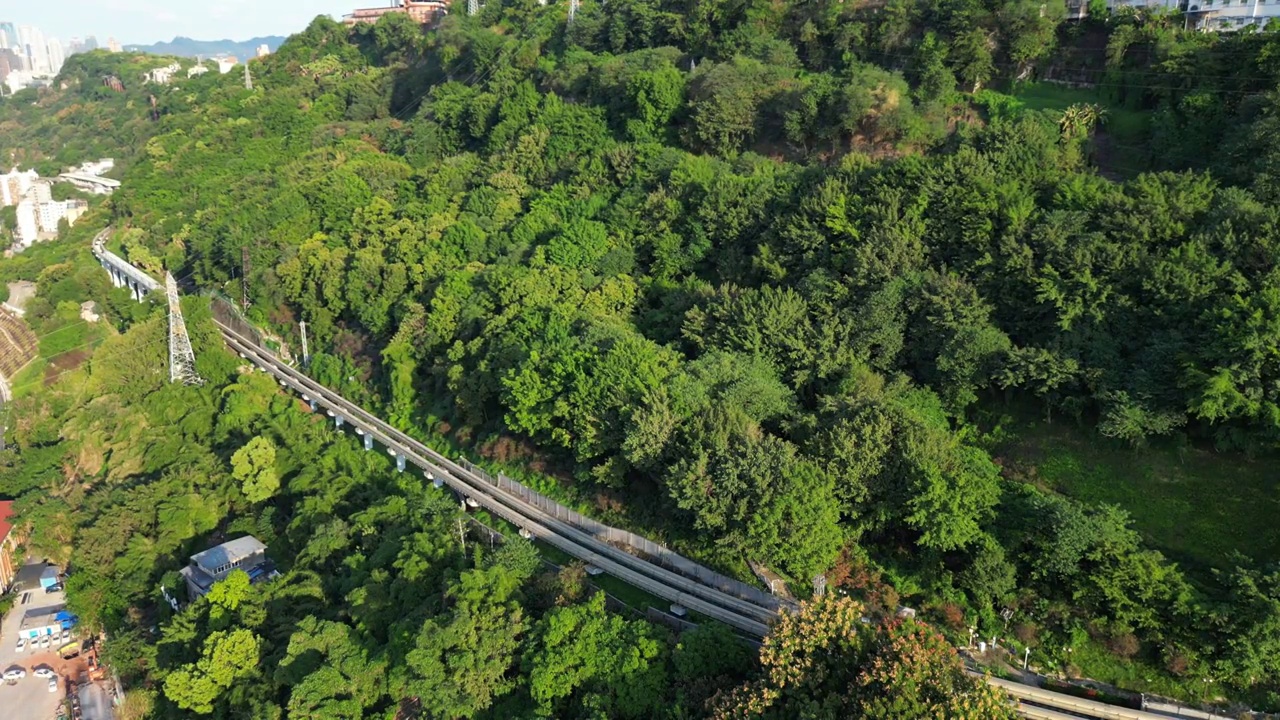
(383, 608)
(766, 280)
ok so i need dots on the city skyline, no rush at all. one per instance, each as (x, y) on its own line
(30, 53)
(143, 22)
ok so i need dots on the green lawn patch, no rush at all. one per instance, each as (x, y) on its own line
(1193, 504)
(1119, 144)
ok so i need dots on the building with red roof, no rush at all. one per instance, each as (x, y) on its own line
(423, 12)
(8, 546)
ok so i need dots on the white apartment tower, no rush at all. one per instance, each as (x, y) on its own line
(34, 48)
(14, 185)
(1206, 15)
(28, 224)
(56, 56)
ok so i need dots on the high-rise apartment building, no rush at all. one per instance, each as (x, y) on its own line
(112, 45)
(14, 185)
(51, 212)
(28, 227)
(90, 43)
(9, 63)
(8, 36)
(36, 49)
(56, 56)
(40, 192)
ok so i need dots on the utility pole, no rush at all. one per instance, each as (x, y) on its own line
(244, 277)
(182, 359)
(306, 356)
(573, 10)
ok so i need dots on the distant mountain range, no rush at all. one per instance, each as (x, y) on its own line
(187, 47)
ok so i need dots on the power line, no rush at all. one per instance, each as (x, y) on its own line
(96, 358)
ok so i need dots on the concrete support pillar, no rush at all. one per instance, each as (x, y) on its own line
(368, 442)
(338, 420)
(399, 463)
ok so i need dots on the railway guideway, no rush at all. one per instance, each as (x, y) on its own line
(735, 612)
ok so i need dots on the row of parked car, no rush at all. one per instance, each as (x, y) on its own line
(14, 674)
(44, 641)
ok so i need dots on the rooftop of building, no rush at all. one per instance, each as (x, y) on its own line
(85, 177)
(262, 571)
(229, 552)
(6, 512)
(42, 616)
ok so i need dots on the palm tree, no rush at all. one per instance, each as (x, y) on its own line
(1080, 119)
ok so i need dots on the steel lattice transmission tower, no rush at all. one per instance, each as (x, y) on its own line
(182, 359)
(573, 10)
(473, 7)
(248, 79)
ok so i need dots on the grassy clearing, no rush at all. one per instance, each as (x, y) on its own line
(1195, 505)
(1097, 663)
(1118, 147)
(1121, 121)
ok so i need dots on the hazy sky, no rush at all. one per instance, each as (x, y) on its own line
(141, 22)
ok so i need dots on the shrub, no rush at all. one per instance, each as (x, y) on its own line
(951, 615)
(1125, 645)
(1026, 633)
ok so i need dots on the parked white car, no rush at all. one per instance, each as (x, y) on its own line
(22, 644)
(44, 641)
(53, 684)
(14, 674)
(43, 672)
(66, 634)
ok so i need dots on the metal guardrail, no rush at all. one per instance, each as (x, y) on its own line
(1026, 694)
(641, 545)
